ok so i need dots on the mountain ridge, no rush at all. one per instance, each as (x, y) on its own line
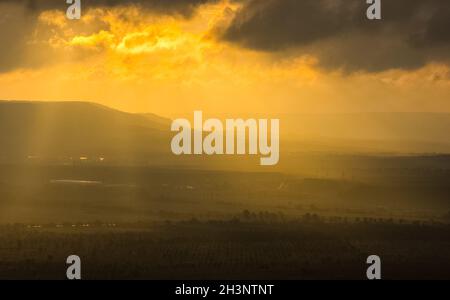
(77, 128)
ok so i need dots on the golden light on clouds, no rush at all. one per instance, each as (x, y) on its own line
(137, 61)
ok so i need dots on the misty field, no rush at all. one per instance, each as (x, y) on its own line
(234, 249)
(140, 222)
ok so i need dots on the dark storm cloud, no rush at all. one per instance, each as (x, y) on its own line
(184, 7)
(411, 34)
(19, 18)
(14, 32)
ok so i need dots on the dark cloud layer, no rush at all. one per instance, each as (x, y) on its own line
(184, 7)
(14, 33)
(411, 34)
(19, 18)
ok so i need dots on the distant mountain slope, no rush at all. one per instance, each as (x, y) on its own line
(51, 129)
(164, 122)
(61, 130)
(397, 132)
(433, 127)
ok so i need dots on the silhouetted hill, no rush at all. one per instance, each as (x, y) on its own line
(157, 120)
(73, 129)
(67, 131)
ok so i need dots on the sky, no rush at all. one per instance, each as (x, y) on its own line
(234, 56)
